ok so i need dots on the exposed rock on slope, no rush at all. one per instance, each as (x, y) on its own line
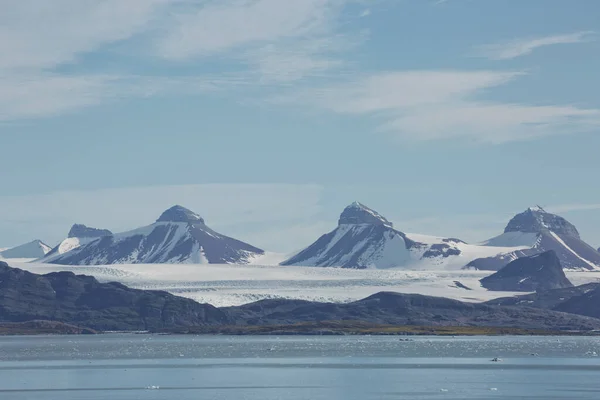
(178, 236)
(83, 301)
(529, 274)
(82, 231)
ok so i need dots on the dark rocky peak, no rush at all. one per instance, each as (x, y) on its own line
(82, 231)
(359, 214)
(528, 274)
(537, 220)
(180, 214)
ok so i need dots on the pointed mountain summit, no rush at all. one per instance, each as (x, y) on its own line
(536, 220)
(536, 231)
(358, 214)
(33, 249)
(180, 214)
(178, 236)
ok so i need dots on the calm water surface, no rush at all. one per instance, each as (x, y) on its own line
(129, 366)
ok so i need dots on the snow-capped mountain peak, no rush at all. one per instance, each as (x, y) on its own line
(366, 239)
(537, 220)
(358, 214)
(180, 214)
(539, 231)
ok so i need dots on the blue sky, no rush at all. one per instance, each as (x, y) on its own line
(268, 117)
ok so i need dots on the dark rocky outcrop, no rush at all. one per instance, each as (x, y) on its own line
(83, 301)
(529, 274)
(357, 214)
(82, 231)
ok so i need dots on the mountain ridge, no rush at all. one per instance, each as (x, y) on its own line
(178, 236)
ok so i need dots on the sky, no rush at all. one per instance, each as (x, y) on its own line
(268, 117)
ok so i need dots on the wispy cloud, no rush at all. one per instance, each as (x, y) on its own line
(432, 105)
(278, 41)
(521, 47)
(262, 41)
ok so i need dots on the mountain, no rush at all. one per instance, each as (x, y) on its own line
(83, 301)
(537, 231)
(78, 236)
(366, 239)
(580, 300)
(408, 309)
(34, 249)
(529, 274)
(178, 236)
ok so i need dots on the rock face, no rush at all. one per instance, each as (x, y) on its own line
(529, 274)
(408, 309)
(178, 236)
(536, 231)
(82, 231)
(83, 301)
(34, 249)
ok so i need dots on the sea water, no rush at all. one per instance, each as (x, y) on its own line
(140, 366)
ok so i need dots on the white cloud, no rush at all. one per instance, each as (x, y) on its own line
(245, 211)
(279, 41)
(226, 24)
(263, 41)
(521, 47)
(44, 34)
(431, 105)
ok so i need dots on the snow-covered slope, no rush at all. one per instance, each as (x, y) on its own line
(539, 231)
(178, 236)
(365, 239)
(34, 249)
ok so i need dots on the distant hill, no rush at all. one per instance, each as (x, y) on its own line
(34, 249)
